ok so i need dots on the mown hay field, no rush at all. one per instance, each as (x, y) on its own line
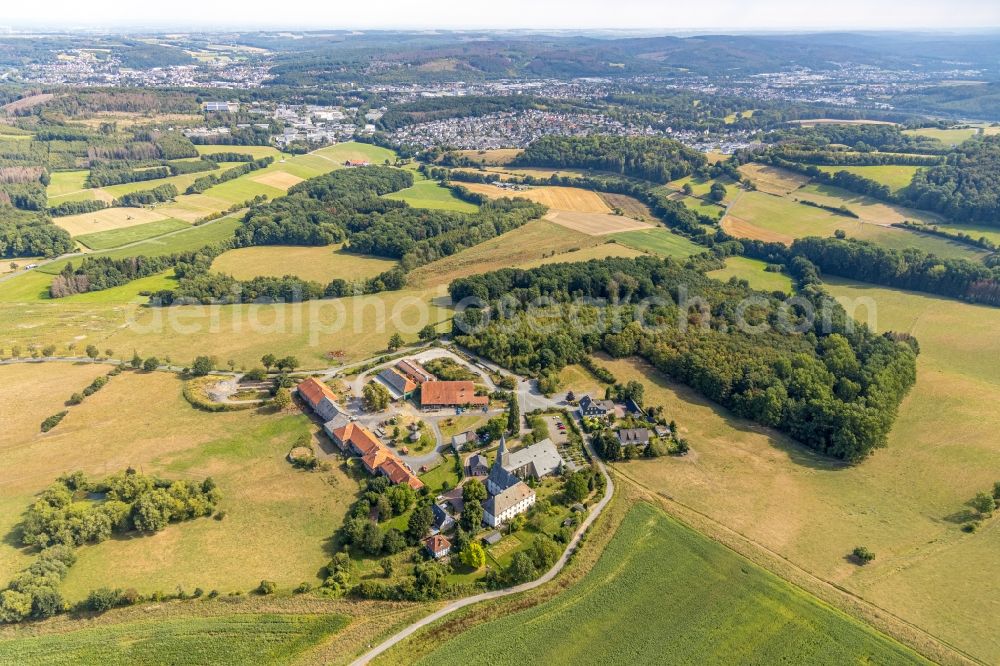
(106, 240)
(893, 176)
(595, 224)
(429, 194)
(658, 240)
(662, 593)
(107, 219)
(571, 199)
(320, 264)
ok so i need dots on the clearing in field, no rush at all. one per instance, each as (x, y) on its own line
(752, 270)
(700, 187)
(281, 180)
(256, 151)
(659, 241)
(557, 198)
(594, 224)
(355, 151)
(278, 518)
(107, 219)
(602, 251)
(710, 605)
(105, 240)
(906, 503)
(320, 264)
(772, 179)
(629, 206)
(429, 194)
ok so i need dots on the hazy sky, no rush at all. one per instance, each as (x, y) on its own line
(664, 15)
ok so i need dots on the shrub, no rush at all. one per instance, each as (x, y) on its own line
(267, 587)
(302, 588)
(863, 555)
(53, 421)
(151, 364)
(103, 599)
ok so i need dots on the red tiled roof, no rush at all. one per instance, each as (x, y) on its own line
(359, 437)
(437, 543)
(414, 371)
(376, 458)
(314, 391)
(400, 473)
(451, 393)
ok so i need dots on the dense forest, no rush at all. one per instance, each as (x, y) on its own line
(966, 188)
(655, 159)
(25, 234)
(828, 382)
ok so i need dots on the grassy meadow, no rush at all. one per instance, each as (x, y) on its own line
(752, 270)
(894, 176)
(950, 136)
(906, 503)
(429, 194)
(711, 606)
(274, 512)
(321, 264)
(659, 241)
(106, 240)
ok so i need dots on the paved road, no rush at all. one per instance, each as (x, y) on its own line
(495, 594)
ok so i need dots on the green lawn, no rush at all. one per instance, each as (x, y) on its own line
(428, 194)
(662, 593)
(945, 136)
(104, 240)
(353, 150)
(233, 639)
(435, 478)
(659, 241)
(752, 270)
(62, 183)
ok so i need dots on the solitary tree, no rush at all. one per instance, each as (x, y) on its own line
(513, 416)
(428, 332)
(472, 516)
(93, 352)
(150, 364)
(863, 555)
(136, 361)
(984, 503)
(202, 366)
(473, 491)
(375, 396)
(419, 522)
(288, 363)
(473, 556)
(268, 360)
(395, 342)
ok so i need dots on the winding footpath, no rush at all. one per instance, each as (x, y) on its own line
(517, 589)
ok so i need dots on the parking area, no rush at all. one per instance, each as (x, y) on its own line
(559, 434)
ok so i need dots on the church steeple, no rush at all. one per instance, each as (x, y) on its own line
(503, 457)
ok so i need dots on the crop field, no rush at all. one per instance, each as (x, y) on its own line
(753, 272)
(281, 180)
(105, 240)
(275, 513)
(659, 241)
(428, 194)
(711, 606)
(906, 502)
(107, 219)
(231, 639)
(256, 151)
(780, 219)
(948, 137)
(772, 179)
(572, 199)
(321, 264)
(595, 224)
(894, 176)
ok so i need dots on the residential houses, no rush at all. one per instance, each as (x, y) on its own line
(461, 439)
(450, 394)
(438, 546)
(597, 408)
(634, 437)
(442, 519)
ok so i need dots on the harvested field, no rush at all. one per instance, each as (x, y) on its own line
(559, 198)
(629, 206)
(27, 102)
(279, 179)
(498, 156)
(743, 229)
(320, 264)
(594, 224)
(107, 219)
(772, 179)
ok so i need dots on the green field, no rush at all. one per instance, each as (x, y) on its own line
(233, 639)
(752, 270)
(894, 176)
(783, 219)
(659, 241)
(62, 183)
(256, 151)
(353, 150)
(320, 264)
(662, 593)
(105, 240)
(946, 136)
(428, 194)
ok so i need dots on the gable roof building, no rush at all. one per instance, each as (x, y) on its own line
(442, 519)
(414, 371)
(313, 391)
(633, 436)
(399, 385)
(591, 407)
(355, 437)
(535, 461)
(437, 545)
(513, 501)
(450, 394)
